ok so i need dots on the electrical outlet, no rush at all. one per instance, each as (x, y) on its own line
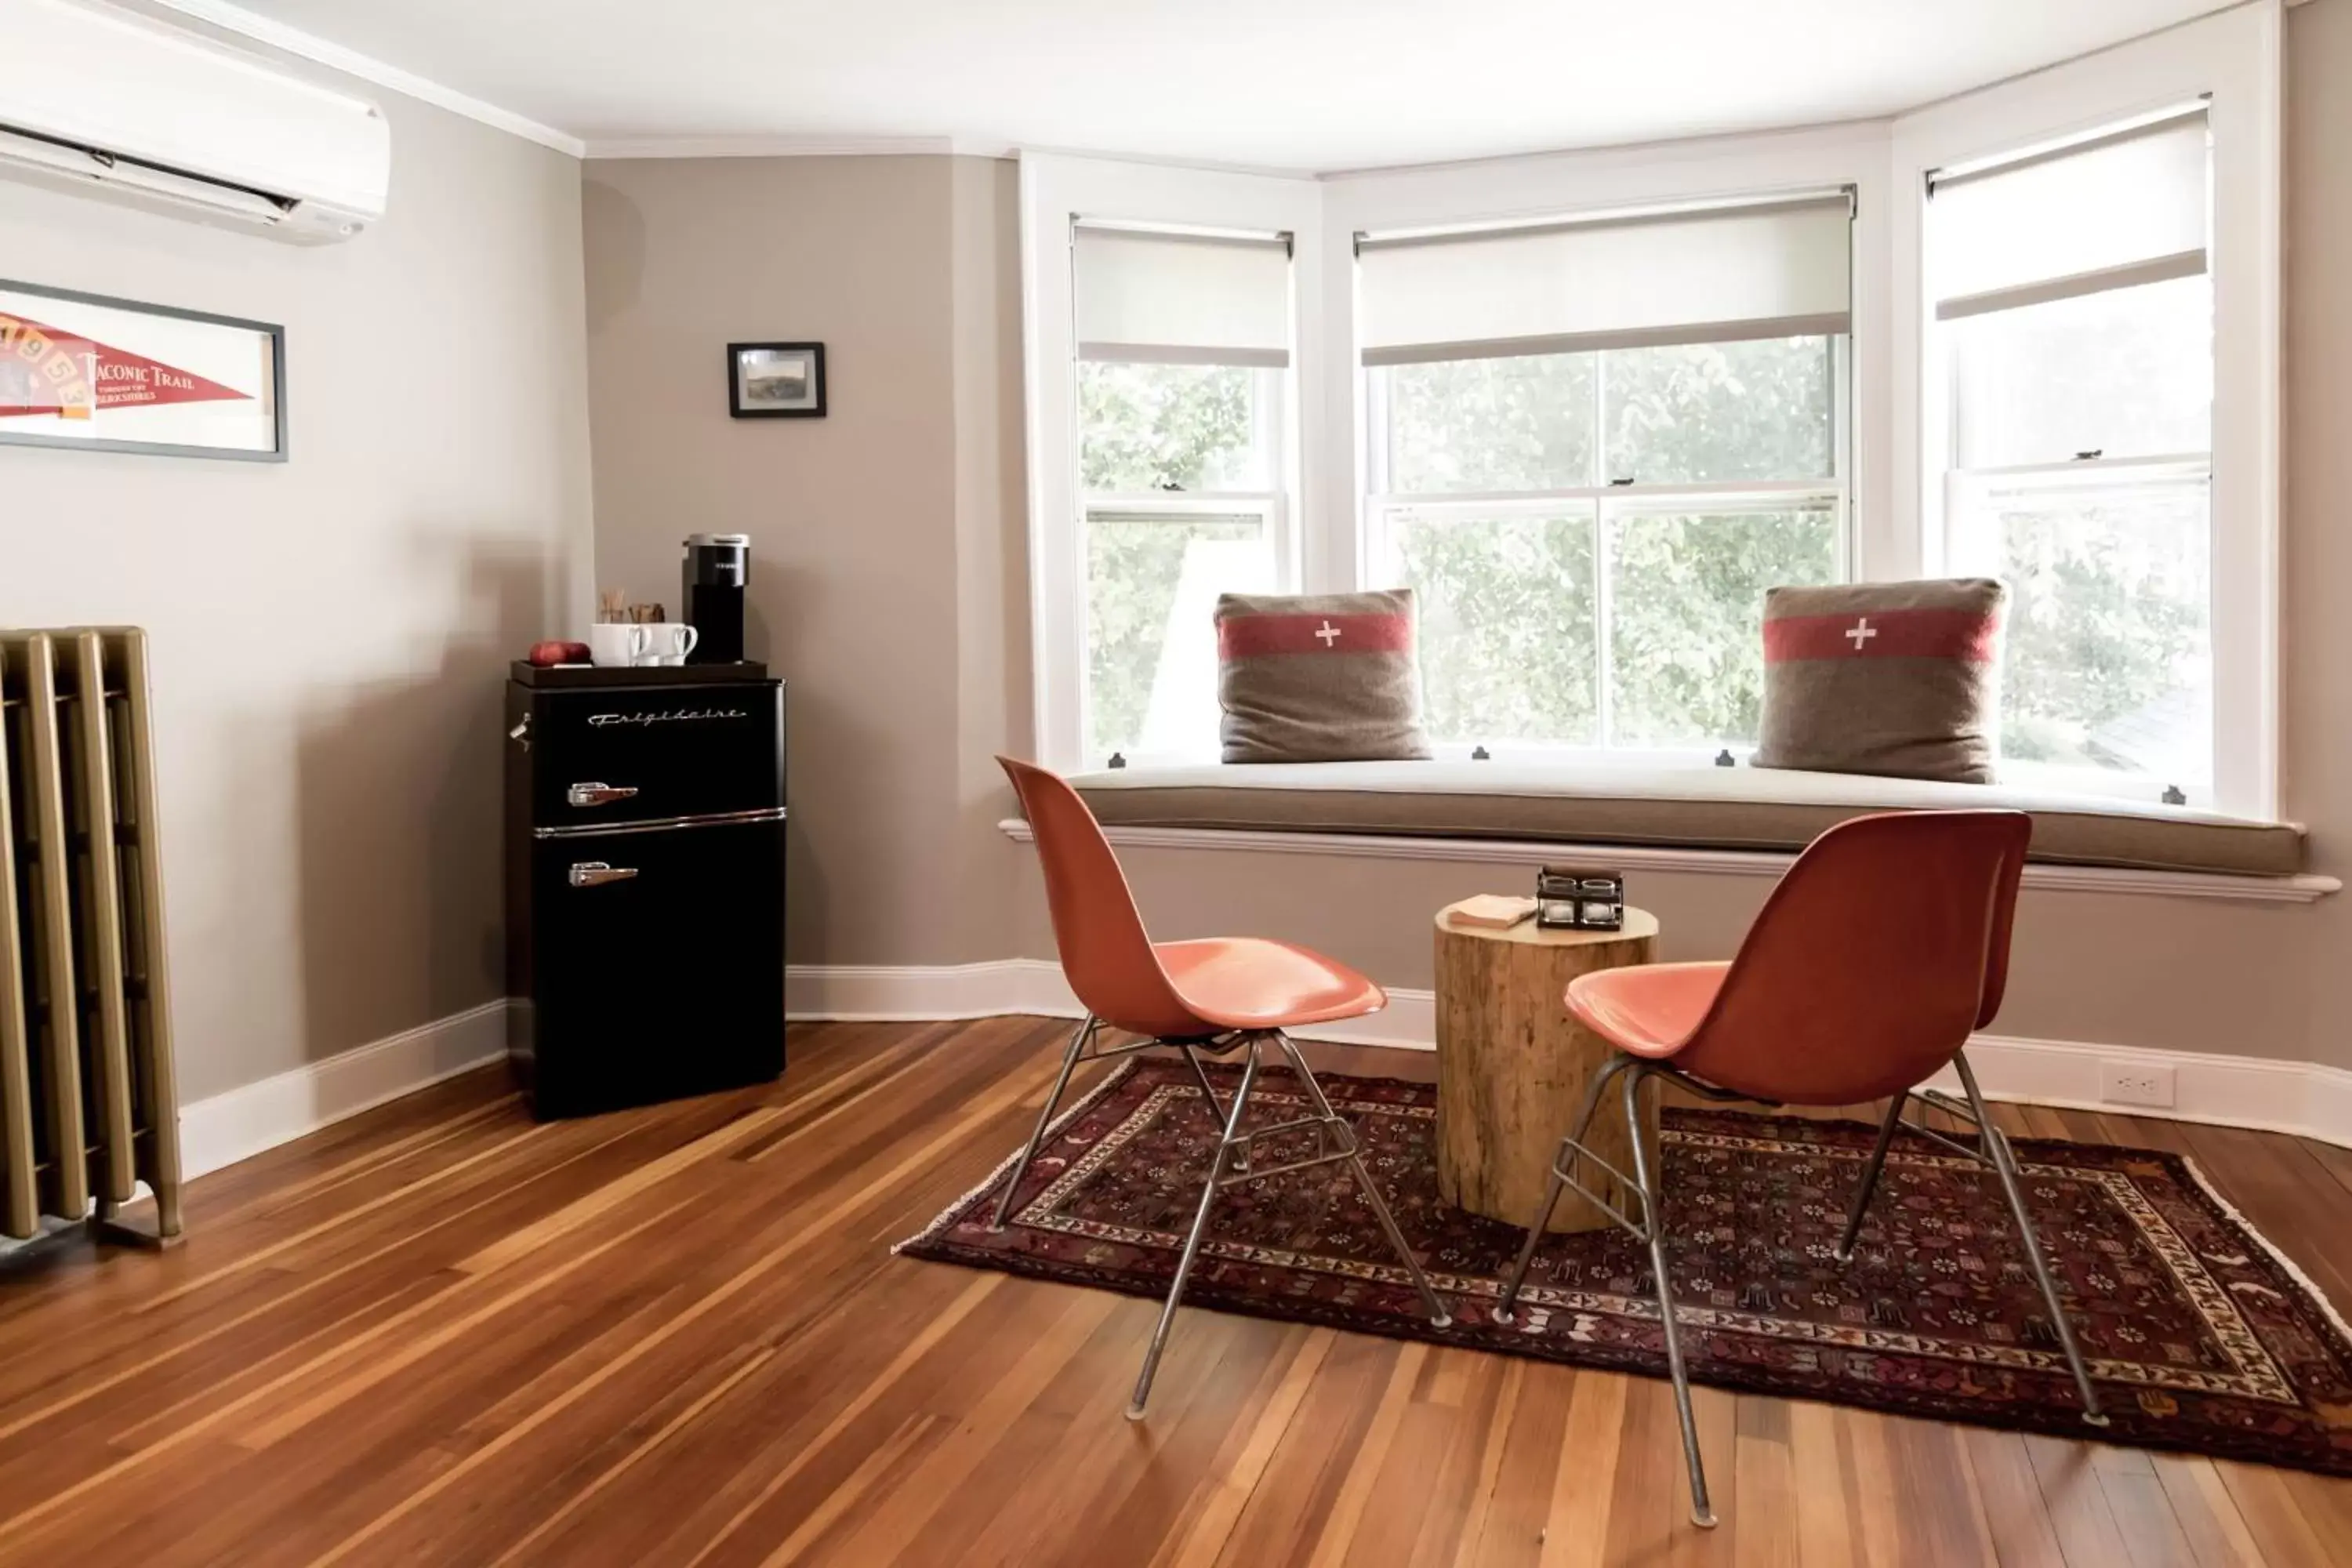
(2129, 1083)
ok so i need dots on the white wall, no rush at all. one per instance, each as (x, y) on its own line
(330, 635)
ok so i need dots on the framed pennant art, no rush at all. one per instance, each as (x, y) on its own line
(83, 370)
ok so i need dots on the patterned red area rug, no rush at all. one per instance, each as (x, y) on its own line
(2200, 1335)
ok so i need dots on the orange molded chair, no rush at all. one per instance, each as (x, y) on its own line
(1880, 951)
(1219, 994)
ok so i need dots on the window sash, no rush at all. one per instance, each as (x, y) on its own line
(1173, 511)
(1972, 496)
(1600, 508)
(1605, 503)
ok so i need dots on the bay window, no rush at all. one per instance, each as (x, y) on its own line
(1591, 406)
(1590, 447)
(2074, 325)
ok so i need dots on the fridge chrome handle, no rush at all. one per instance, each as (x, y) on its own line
(598, 793)
(596, 873)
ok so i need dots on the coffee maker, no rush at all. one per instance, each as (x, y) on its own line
(710, 594)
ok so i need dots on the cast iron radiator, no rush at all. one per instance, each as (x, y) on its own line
(86, 1105)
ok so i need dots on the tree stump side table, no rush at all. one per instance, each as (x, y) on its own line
(1513, 1067)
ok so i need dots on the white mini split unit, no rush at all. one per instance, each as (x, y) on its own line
(123, 106)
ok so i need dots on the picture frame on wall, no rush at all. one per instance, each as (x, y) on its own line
(101, 373)
(776, 381)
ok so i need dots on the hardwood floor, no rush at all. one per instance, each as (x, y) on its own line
(440, 1334)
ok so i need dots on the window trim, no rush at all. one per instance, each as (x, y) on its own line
(2231, 59)
(1056, 192)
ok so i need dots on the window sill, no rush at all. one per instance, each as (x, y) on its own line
(1725, 822)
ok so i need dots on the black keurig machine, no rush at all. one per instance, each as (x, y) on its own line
(710, 594)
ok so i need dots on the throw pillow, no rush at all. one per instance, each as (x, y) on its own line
(1318, 678)
(1898, 678)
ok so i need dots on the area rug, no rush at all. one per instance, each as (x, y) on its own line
(2200, 1336)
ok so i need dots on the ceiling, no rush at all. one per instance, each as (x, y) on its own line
(1287, 84)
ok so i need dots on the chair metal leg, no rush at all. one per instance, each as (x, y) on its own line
(1886, 1130)
(1192, 1239)
(1504, 1306)
(1079, 1039)
(1216, 1107)
(1439, 1317)
(1702, 1513)
(2004, 1164)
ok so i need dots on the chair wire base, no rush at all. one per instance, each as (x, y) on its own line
(1233, 1162)
(1991, 1148)
(1334, 1143)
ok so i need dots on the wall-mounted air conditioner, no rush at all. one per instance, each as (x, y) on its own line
(133, 108)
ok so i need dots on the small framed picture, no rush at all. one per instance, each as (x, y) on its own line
(776, 381)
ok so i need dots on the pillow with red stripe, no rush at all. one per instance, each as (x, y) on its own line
(1318, 678)
(1898, 678)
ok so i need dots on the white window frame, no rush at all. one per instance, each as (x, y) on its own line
(1056, 192)
(1606, 503)
(2233, 59)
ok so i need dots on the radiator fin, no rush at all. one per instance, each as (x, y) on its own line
(87, 1109)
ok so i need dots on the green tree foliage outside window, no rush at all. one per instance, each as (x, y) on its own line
(1507, 625)
(1167, 427)
(2108, 661)
(1687, 641)
(1510, 606)
(1134, 565)
(1147, 428)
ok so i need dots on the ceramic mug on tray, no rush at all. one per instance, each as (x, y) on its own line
(668, 642)
(611, 643)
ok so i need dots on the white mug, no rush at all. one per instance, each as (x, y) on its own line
(668, 642)
(616, 642)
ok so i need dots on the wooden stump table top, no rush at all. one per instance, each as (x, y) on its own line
(1513, 1066)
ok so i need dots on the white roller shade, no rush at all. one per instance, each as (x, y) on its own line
(1761, 270)
(2120, 210)
(1181, 299)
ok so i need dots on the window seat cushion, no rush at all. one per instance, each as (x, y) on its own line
(1680, 805)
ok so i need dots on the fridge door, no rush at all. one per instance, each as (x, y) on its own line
(658, 968)
(642, 753)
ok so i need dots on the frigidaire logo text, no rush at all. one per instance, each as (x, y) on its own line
(672, 716)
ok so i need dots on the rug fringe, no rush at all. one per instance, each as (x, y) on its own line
(947, 1217)
(2287, 1266)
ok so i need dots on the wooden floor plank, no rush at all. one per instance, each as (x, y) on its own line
(440, 1333)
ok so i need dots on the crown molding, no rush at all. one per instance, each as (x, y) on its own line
(782, 147)
(275, 35)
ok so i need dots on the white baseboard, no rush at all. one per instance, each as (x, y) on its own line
(241, 1122)
(2304, 1099)
(888, 994)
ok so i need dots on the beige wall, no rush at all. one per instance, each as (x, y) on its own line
(885, 561)
(331, 634)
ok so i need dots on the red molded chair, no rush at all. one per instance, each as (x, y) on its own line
(1219, 994)
(1880, 951)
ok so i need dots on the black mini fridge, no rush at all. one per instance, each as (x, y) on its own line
(645, 883)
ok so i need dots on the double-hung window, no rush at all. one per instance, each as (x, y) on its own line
(1182, 350)
(2073, 320)
(1592, 446)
